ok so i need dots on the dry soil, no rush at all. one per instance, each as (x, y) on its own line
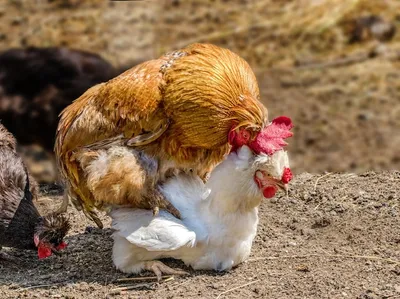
(334, 236)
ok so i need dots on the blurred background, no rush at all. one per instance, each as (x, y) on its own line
(333, 66)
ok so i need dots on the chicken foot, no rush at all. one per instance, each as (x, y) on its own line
(158, 201)
(159, 268)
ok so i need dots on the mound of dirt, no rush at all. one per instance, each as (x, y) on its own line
(334, 236)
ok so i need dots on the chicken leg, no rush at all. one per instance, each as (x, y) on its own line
(160, 268)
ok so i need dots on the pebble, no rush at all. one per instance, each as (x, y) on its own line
(307, 232)
(377, 205)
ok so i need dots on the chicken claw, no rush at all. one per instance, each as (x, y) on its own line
(160, 268)
(161, 203)
(174, 211)
(156, 210)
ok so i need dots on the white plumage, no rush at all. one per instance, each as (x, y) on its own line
(219, 219)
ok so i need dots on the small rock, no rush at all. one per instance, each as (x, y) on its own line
(396, 270)
(322, 222)
(17, 21)
(303, 268)
(377, 205)
(88, 229)
(307, 232)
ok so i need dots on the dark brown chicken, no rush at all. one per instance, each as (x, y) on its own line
(37, 83)
(21, 225)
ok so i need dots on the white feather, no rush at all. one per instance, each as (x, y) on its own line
(162, 233)
(219, 220)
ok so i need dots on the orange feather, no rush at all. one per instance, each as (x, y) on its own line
(184, 104)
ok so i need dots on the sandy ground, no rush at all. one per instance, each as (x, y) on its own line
(335, 236)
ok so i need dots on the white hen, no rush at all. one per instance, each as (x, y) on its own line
(219, 218)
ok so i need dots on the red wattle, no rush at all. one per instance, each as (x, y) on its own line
(61, 246)
(270, 191)
(287, 175)
(43, 252)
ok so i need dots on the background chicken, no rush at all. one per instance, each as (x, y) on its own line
(36, 84)
(219, 219)
(180, 109)
(20, 223)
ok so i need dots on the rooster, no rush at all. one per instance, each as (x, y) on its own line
(219, 218)
(21, 225)
(186, 110)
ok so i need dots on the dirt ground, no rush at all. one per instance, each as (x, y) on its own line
(335, 236)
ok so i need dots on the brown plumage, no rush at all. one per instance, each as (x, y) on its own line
(179, 108)
(20, 221)
(119, 173)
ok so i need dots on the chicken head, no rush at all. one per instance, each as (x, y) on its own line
(273, 172)
(49, 234)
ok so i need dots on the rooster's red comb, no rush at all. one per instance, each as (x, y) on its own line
(271, 138)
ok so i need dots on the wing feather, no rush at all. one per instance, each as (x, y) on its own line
(161, 233)
(122, 109)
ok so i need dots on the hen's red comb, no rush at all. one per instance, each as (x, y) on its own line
(271, 138)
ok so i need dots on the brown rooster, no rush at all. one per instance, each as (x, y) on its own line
(185, 109)
(21, 225)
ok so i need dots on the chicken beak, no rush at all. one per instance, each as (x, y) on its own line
(284, 187)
